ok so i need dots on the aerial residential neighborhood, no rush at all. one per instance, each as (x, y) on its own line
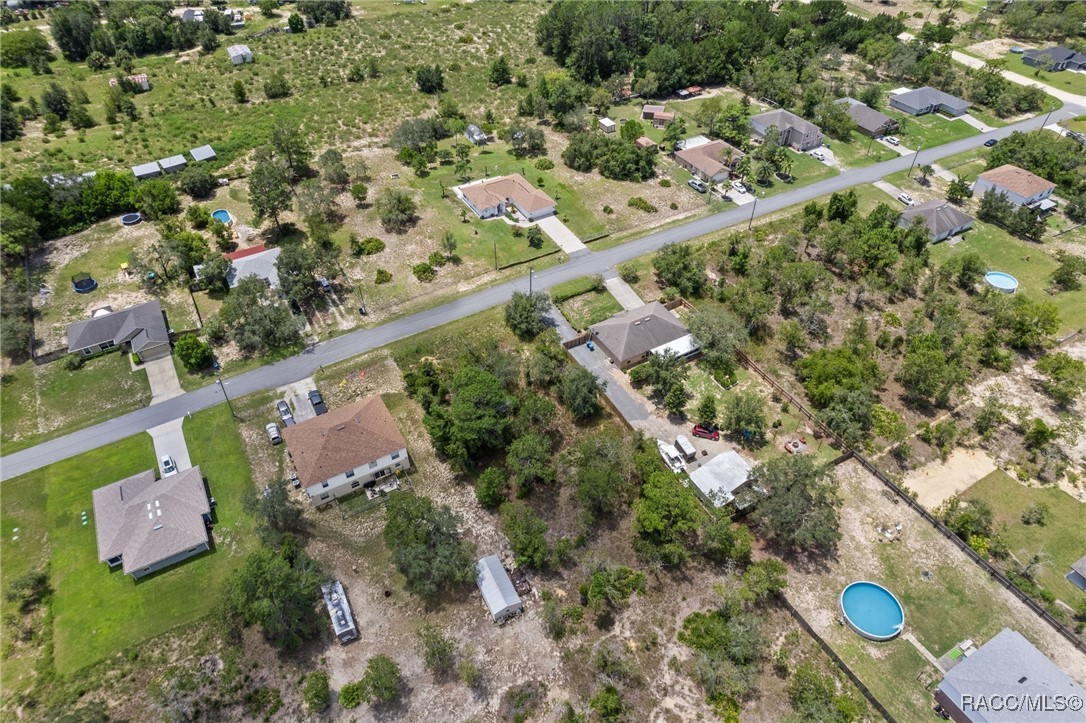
(543, 360)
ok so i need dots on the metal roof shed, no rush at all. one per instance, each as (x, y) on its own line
(498, 592)
(146, 170)
(173, 164)
(203, 153)
(335, 599)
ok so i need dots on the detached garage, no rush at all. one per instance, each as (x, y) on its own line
(498, 592)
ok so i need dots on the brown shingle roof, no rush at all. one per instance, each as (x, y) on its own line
(1018, 180)
(147, 520)
(644, 142)
(709, 158)
(342, 440)
(514, 188)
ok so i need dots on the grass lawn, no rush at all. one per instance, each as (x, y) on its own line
(42, 402)
(968, 165)
(805, 170)
(1075, 124)
(1027, 262)
(890, 671)
(1062, 539)
(1060, 80)
(586, 309)
(929, 130)
(860, 151)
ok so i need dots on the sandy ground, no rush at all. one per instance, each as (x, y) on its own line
(997, 48)
(936, 482)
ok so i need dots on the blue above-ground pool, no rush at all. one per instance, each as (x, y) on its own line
(1001, 282)
(221, 214)
(872, 611)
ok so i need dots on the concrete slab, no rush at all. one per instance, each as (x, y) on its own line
(170, 439)
(162, 376)
(899, 149)
(560, 234)
(296, 395)
(975, 122)
(889, 188)
(622, 292)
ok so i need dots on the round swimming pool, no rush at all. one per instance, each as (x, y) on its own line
(221, 214)
(1002, 282)
(872, 611)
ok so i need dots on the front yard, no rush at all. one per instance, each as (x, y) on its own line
(928, 131)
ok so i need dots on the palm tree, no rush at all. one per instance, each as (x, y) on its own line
(763, 172)
(784, 165)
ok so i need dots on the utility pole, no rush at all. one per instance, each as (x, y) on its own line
(915, 156)
(529, 281)
(1046, 118)
(752, 210)
(227, 398)
(495, 255)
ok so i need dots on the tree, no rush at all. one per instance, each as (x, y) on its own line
(425, 544)
(71, 28)
(315, 693)
(745, 418)
(315, 200)
(678, 266)
(277, 514)
(215, 273)
(927, 374)
(331, 163)
(430, 79)
(665, 518)
(665, 372)
(707, 412)
(255, 318)
(277, 594)
(382, 681)
(579, 390)
(801, 509)
(525, 314)
(535, 237)
(156, 199)
(436, 649)
(841, 206)
(276, 86)
(828, 370)
(958, 190)
(290, 144)
(80, 118)
(240, 95)
(448, 244)
(529, 458)
(720, 333)
(490, 488)
(359, 192)
(25, 49)
(1028, 324)
(396, 209)
(527, 534)
(196, 181)
(193, 352)
(603, 474)
(1065, 377)
(1066, 275)
(55, 99)
(269, 191)
(723, 542)
(297, 269)
(498, 73)
(296, 23)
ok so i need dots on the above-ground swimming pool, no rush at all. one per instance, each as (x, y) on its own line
(872, 611)
(1001, 282)
(221, 214)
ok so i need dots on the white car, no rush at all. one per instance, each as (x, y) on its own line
(818, 155)
(893, 141)
(739, 187)
(905, 198)
(168, 466)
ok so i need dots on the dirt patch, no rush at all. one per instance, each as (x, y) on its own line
(936, 482)
(997, 48)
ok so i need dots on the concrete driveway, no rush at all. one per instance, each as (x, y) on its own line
(899, 149)
(296, 395)
(975, 122)
(170, 439)
(561, 235)
(622, 291)
(162, 376)
(740, 199)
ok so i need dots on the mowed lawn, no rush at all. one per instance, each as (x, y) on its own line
(98, 612)
(1061, 540)
(591, 307)
(929, 130)
(1027, 262)
(1060, 80)
(860, 151)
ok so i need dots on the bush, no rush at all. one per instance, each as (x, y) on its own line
(382, 680)
(367, 246)
(194, 353)
(608, 210)
(72, 362)
(196, 181)
(436, 649)
(437, 259)
(352, 694)
(382, 277)
(641, 205)
(544, 164)
(628, 273)
(665, 183)
(424, 272)
(315, 693)
(1035, 514)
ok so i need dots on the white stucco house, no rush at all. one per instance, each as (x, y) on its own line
(1021, 187)
(493, 197)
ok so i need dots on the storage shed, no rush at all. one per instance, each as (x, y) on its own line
(607, 125)
(203, 153)
(498, 592)
(146, 170)
(173, 164)
(239, 54)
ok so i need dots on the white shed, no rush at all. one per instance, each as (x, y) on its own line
(239, 54)
(607, 125)
(498, 592)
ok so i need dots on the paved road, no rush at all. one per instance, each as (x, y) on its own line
(358, 342)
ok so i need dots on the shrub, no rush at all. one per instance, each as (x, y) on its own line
(315, 693)
(73, 362)
(194, 353)
(673, 206)
(608, 210)
(352, 694)
(1035, 514)
(424, 272)
(628, 273)
(437, 259)
(466, 38)
(436, 649)
(641, 205)
(665, 183)
(544, 164)
(367, 246)
(382, 277)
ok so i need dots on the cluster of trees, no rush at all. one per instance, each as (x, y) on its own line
(425, 544)
(996, 208)
(617, 158)
(1043, 21)
(988, 87)
(253, 318)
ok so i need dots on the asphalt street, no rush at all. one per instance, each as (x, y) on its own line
(313, 358)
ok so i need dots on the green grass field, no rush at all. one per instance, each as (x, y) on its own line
(99, 612)
(1061, 540)
(1060, 80)
(860, 151)
(805, 170)
(929, 130)
(586, 309)
(890, 671)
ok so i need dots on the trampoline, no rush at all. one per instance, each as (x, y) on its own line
(221, 214)
(84, 283)
(1002, 282)
(131, 219)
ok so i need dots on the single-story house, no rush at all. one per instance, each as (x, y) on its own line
(203, 153)
(644, 142)
(649, 112)
(868, 121)
(1021, 187)
(492, 197)
(942, 219)
(500, 596)
(173, 164)
(257, 261)
(142, 327)
(630, 337)
(692, 92)
(239, 54)
(145, 525)
(722, 477)
(982, 683)
(711, 161)
(1055, 58)
(139, 80)
(1077, 576)
(343, 624)
(928, 100)
(346, 449)
(146, 170)
(607, 125)
(795, 132)
(475, 135)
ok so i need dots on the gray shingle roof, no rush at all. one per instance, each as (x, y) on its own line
(940, 217)
(142, 325)
(1008, 664)
(1079, 566)
(147, 520)
(865, 116)
(630, 334)
(923, 97)
(1056, 54)
(261, 265)
(784, 119)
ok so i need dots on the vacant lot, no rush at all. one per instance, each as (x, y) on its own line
(928, 131)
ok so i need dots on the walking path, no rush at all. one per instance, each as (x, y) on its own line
(923, 651)
(622, 291)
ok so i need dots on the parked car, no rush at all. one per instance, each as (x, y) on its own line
(818, 155)
(990, 142)
(905, 198)
(325, 286)
(168, 466)
(317, 401)
(284, 413)
(294, 481)
(739, 187)
(696, 185)
(704, 432)
(273, 433)
(892, 140)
